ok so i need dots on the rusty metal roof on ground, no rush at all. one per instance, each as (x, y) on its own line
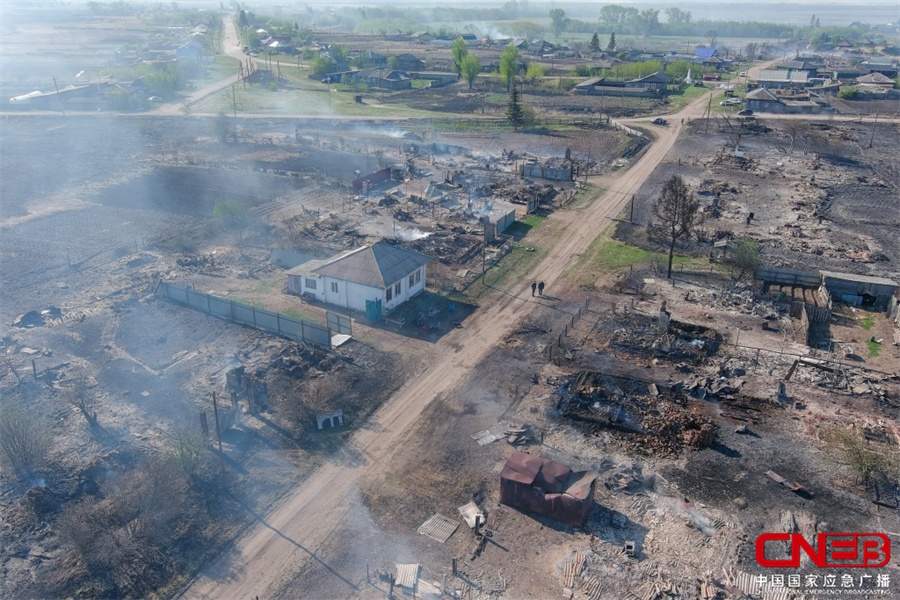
(378, 265)
(407, 575)
(547, 474)
(438, 527)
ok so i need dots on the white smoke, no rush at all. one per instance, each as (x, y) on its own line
(409, 235)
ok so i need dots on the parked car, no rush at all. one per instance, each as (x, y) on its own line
(743, 74)
(730, 102)
(745, 113)
(660, 121)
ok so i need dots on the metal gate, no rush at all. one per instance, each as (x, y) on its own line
(373, 310)
(339, 323)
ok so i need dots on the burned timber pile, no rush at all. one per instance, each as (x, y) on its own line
(646, 419)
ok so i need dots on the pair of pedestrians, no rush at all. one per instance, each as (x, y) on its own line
(537, 286)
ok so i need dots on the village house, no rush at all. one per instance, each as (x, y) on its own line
(782, 79)
(764, 100)
(386, 79)
(650, 85)
(378, 273)
(408, 62)
(191, 50)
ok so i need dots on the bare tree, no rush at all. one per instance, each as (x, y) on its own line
(24, 438)
(190, 449)
(676, 215)
(79, 395)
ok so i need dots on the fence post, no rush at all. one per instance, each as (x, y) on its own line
(278, 322)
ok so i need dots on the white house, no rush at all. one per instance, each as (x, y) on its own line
(192, 50)
(373, 272)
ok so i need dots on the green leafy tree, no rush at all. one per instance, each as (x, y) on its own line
(535, 72)
(470, 68)
(595, 43)
(676, 16)
(509, 66)
(559, 19)
(322, 65)
(514, 112)
(459, 50)
(847, 92)
(251, 39)
(745, 257)
(231, 212)
(612, 42)
(646, 21)
(616, 14)
(242, 20)
(676, 215)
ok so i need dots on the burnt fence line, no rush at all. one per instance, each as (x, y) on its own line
(243, 314)
(555, 350)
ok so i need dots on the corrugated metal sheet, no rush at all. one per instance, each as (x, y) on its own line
(438, 527)
(407, 575)
(469, 512)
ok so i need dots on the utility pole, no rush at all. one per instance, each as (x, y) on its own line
(216, 414)
(59, 98)
(872, 137)
(631, 217)
(708, 111)
(233, 102)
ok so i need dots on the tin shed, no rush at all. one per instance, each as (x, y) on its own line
(548, 488)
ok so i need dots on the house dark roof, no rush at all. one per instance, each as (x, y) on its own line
(376, 73)
(378, 265)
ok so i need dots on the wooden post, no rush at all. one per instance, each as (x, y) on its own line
(203, 425)
(216, 414)
(454, 567)
(631, 218)
(391, 589)
(33, 368)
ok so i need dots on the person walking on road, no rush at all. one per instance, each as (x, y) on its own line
(541, 289)
(533, 287)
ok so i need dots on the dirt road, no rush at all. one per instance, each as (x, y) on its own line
(267, 557)
(230, 46)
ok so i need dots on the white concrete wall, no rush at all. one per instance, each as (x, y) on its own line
(354, 295)
(349, 294)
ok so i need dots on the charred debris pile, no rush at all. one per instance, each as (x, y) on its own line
(644, 418)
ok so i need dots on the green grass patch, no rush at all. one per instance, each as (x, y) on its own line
(265, 287)
(606, 255)
(510, 271)
(680, 99)
(874, 348)
(533, 220)
(868, 322)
